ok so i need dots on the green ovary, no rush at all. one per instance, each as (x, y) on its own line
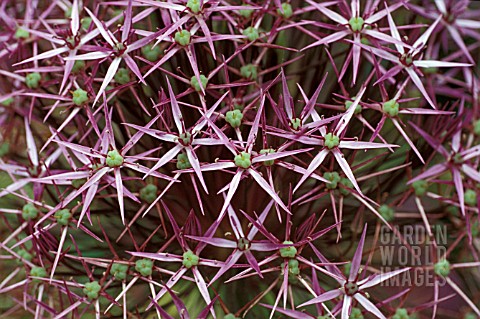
(194, 6)
(331, 140)
(356, 24)
(401, 313)
(442, 268)
(122, 76)
(114, 159)
(476, 127)
(295, 123)
(38, 272)
(25, 254)
(79, 97)
(356, 314)
(249, 71)
(148, 193)
(190, 259)
(246, 13)
(183, 37)
(29, 212)
(234, 118)
(194, 82)
(21, 34)
(358, 108)
(287, 10)
(334, 179)
(151, 53)
(63, 217)
(347, 183)
(78, 66)
(268, 151)
(32, 80)
(183, 162)
(387, 212)
(420, 187)
(251, 33)
(470, 197)
(288, 252)
(119, 271)
(391, 108)
(92, 290)
(144, 267)
(243, 160)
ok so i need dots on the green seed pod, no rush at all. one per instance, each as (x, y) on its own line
(29, 211)
(401, 313)
(334, 179)
(148, 193)
(185, 139)
(470, 197)
(92, 290)
(295, 123)
(391, 108)
(268, 151)
(476, 127)
(249, 71)
(347, 183)
(7, 102)
(77, 183)
(234, 118)
(243, 160)
(442, 268)
(114, 159)
(470, 315)
(4, 148)
(80, 97)
(251, 33)
(86, 22)
(387, 212)
(21, 34)
(358, 108)
(420, 187)
(246, 13)
(243, 244)
(148, 90)
(356, 24)
(194, 82)
(182, 37)
(122, 76)
(151, 53)
(331, 140)
(288, 252)
(38, 272)
(144, 267)
(194, 6)
(63, 217)
(25, 254)
(78, 66)
(347, 268)
(293, 267)
(356, 314)
(183, 162)
(287, 11)
(190, 259)
(32, 80)
(475, 228)
(119, 271)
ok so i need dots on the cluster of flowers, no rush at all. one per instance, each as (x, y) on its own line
(246, 154)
